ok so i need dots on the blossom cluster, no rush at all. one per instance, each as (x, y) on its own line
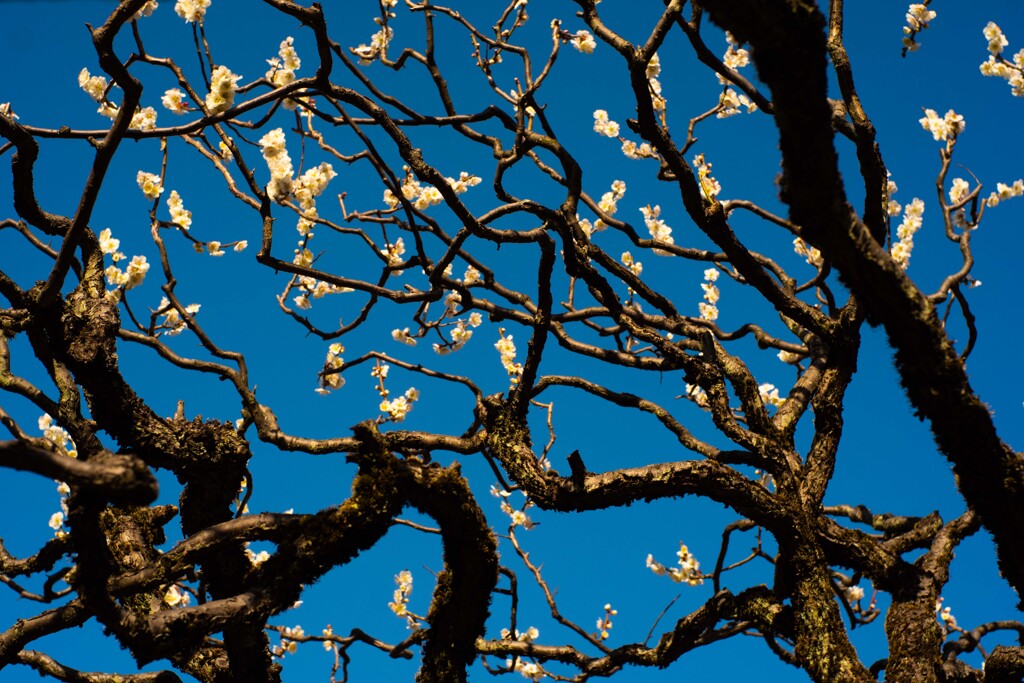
(328, 634)
(709, 307)
(330, 376)
(507, 349)
(654, 85)
(912, 220)
(172, 323)
(943, 128)
(789, 357)
(893, 207)
(403, 337)
(289, 643)
(175, 597)
(283, 67)
(311, 184)
(609, 204)
(810, 254)
(396, 408)
(918, 17)
(729, 103)
(697, 395)
(999, 66)
(377, 48)
(604, 623)
(424, 196)
(583, 42)
(530, 670)
(688, 570)
(180, 216)
(659, 230)
(518, 517)
(96, 88)
(634, 266)
(400, 598)
(147, 9)
(223, 84)
(641, 151)
(460, 332)
(272, 146)
(735, 57)
(63, 444)
(959, 191)
(57, 518)
(191, 10)
(853, 593)
(214, 246)
(1004, 192)
(530, 635)
(174, 101)
(133, 274)
(770, 395)
(150, 184)
(945, 615)
(256, 558)
(604, 125)
(305, 189)
(709, 187)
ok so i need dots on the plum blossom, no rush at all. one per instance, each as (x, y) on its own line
(688, 570)
(143, 119)
(998, 65)
(1004, 192)
(810, 254)
(770, 395)
(174, 100)
(912, 220)
(57, 435)
(223, 84)
(659, 230)
(330, 375)
(94, 86)
(147, 9)
(584, 42)
(400, 599)
(403, 337)
(994, 35)
(150, 183)
(280, 164)
(180, 216)
(172, 322)
(376, 49)
(603, 125)
(604, 624)
(943, 128)
(709, 187)
(708, 307)
(507, 349)
(191, 10)
(918, 18)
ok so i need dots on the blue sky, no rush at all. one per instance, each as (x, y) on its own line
(887, 461)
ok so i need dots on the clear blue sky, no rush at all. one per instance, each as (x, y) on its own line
(887, 461)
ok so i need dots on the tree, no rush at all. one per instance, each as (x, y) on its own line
(498, 274)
